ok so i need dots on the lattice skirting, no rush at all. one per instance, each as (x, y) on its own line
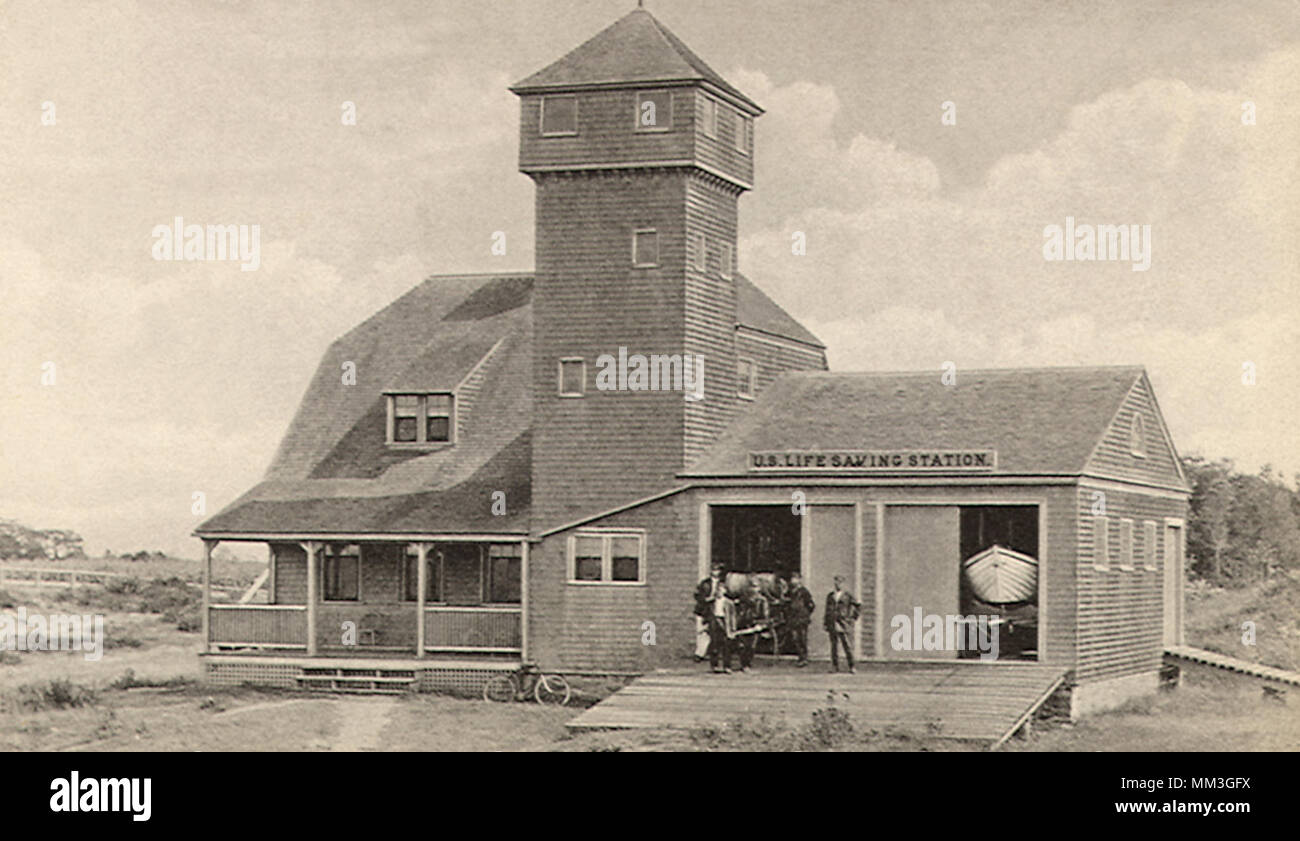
(259, 674)
(429, 679)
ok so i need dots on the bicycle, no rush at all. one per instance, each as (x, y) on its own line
(545, 688)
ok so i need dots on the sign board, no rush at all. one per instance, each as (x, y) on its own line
(873, 461)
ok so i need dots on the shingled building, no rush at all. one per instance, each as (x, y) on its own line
(540, 467)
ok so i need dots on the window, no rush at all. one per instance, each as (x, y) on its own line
(701, 253)
(342, 572)
(744, 125)
(411, 576)
(1126, 544)
(724, 261)
(746, 377)
(1100, 543)
(1149, 546)
(573, 377)
(711, 117)
(559, 115)
(645, 248)
(505, 573)
(610, 557)
(405, 412)
(1137, 437)
(654, 111)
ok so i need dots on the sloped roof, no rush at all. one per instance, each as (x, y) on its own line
(1040, 420)
(635, 48)
(334, 472)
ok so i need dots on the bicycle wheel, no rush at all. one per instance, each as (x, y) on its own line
(552, 689)
(500, 688)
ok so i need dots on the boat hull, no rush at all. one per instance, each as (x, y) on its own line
(999, 575)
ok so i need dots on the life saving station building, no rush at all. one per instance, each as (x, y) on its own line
(480, 498)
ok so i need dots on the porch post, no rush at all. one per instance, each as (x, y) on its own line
(523, 600)
(208, 547)
(422, 583)
(311, 548)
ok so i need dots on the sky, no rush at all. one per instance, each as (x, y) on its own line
(924, 238)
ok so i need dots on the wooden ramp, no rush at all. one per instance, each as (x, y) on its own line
(1223, 661)
(958, 700)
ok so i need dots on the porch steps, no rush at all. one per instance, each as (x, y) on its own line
(358, 681)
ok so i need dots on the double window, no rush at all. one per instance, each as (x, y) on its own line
(607, 557)
(419, 418)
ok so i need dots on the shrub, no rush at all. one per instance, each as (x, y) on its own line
(57, 694)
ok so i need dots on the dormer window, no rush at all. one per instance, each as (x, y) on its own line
(1137, 443)
(654, 111)
(420, 419)
(559, 115)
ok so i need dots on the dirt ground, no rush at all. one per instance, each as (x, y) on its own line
(1213, 710)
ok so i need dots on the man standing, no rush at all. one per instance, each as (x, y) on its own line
(755, 614)
(841, 614)
(711, 597)
(704, 595)
(798, 613)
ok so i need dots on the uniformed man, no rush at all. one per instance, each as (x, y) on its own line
(799, 607)
(754, 614)
(841, 615)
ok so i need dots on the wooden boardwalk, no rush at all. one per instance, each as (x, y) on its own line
(1223, 661)
(959, 700)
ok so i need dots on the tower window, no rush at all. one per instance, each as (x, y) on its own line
(724, 261)
(746, 377)
(710, 117)
(744, 125)
(654, 111)
(645, 248)
(702, 253)
(419, 419)
(573, 377)
(559, 115)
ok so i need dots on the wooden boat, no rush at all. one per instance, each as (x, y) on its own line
(999, 575)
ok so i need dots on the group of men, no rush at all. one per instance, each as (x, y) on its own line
(734, 622)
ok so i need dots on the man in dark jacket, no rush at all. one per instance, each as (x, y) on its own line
(841, 615)
(799, 607)
(755, 614)
(713, 606)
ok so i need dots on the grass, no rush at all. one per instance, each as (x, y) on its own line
(1216, 616)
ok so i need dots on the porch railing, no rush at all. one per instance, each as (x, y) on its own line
(262, 625)
(489, 629)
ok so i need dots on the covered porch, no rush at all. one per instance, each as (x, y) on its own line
(353, 596)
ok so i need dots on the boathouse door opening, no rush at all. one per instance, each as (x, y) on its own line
(757, 539)
(1004, 587)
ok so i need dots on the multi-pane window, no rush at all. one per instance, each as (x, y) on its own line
(341, 569)
(573, 377)
(420, 418)
(645, 248)
(411, 576)
(654, 111)
(505, 573)
(1100, 542)
(609, 557)
(559, 115)
(746, 375)
(724, 261)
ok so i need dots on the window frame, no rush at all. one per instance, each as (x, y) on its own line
(636, 233)
(434, 579)
(711, 108)
(1137, 436)
(741, 139)
(1126, 544)
(749, 390)
(726, 258)
(559, 373)
(326, 555)
(1149, 537)
(660, 127)
(701, 261)
(607, 536)
(488, 558)
(1101, 542)
(421, 441)
(541, 116)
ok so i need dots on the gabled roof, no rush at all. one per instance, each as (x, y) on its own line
(759, 312)
(1040, 421)
(635, 48)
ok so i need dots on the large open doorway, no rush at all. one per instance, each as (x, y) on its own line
(1003, 587)
(757, 539)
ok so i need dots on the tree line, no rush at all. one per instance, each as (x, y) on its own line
(1241, 527)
